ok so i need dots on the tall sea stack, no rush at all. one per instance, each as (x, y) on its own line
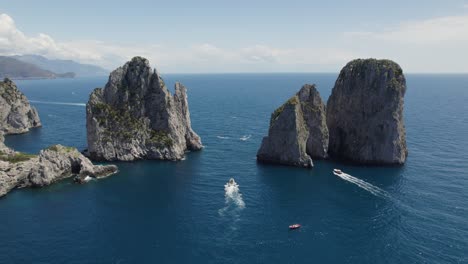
(136, 117)
(297, 132)
(17, 116)
(365, 113)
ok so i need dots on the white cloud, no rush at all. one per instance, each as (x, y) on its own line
(262, 53)
(430, 45)
(203, 57)
(430, 31)
(13, 41)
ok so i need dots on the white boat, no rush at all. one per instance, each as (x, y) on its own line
(231, 182)
(337, 171)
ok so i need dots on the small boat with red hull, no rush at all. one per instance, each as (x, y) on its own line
(295, 226)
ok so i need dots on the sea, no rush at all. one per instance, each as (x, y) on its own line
(183, 212)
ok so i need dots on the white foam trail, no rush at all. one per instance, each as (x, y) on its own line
(245, 137)
(221, 137)
(57, 103)
(233, 195)
(233, 200)
(363, 184)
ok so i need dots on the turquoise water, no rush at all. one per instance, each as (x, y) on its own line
(179, 212)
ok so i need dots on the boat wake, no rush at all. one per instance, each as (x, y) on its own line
(364, 185)
(57, 103)
(233, 199)
(245, 137)
(221, 137)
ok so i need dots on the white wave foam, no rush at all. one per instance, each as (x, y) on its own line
(233, 200)
(245, 137)
(221, 137)
(57, 103)
(363, 184)
(233, 195)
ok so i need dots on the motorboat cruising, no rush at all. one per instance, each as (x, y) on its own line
(231, 182)
(295, 226)
(337, 171)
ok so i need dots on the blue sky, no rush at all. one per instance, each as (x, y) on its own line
(241, 36)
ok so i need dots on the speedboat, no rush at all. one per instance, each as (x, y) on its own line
(231, 182)
(295, 226)
(337, 171)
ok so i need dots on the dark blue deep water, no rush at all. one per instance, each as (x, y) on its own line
(177, 212)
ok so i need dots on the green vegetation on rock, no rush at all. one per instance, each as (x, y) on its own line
(56, 148)
(160, 137)
(16, 157)
(118, 123)
(292, 101)
(8, 91)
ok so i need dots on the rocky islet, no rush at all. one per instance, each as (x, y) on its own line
(362, 122)
(136, 117)
(297, 131)
(365, 113)
(20, 170)
(17, 116)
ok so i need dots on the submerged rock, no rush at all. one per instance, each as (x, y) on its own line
(136, 117)
(365, 113)
(19, 170)
(297, 131)
(16, 114)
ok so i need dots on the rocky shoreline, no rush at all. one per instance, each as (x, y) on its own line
(21, 170)
(57, 162)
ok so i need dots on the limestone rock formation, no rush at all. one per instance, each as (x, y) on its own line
(297, 131)
(19, 170)
(136, 117)
(314, 115)
(365, 113)
(16, 114)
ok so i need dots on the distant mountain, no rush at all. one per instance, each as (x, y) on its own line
(63, 66)
(16, 69)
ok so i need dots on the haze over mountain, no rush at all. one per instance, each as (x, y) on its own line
(13, 68)
(63, 66)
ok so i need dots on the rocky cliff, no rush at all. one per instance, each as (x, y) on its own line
(365, 113)
(315, 117)
(19, 170)
(297, 131)
(136, 117)
(16, 114)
